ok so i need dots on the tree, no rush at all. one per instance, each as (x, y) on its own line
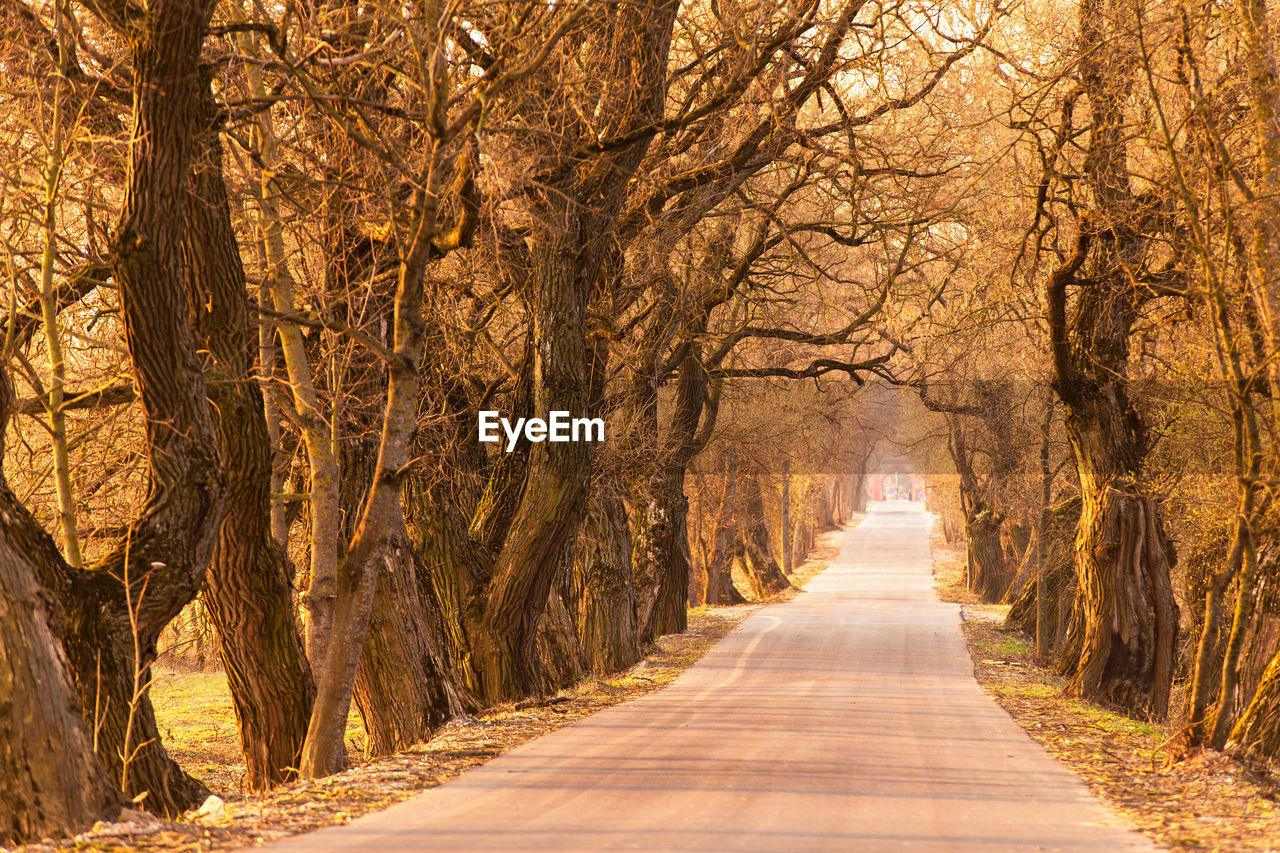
(1128, 618)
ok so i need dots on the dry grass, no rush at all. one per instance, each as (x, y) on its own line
(1209, 802)
(198, 725)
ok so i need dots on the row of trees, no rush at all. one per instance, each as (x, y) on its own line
(266, 264)
(1117, 460)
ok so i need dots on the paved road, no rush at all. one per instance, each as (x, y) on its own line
(846, 719)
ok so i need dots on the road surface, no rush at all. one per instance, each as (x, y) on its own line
(846, 719)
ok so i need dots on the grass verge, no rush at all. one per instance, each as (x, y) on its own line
(1207, 802)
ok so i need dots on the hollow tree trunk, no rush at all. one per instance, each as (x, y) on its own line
(603, 589)
(986, 572)
(1024, 613)
(247, 590)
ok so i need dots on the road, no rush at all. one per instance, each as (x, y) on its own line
(846, 719)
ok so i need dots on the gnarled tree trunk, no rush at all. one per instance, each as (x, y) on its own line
(660, 554)
(1126, 620)
(116, 611)
(52, 784)
(1257, 735)
(753, 553)
(603, 589)
(717, 583)
(247, 590)
(406, 684)
(559, 650)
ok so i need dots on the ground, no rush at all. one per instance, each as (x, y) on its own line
(1208, 802)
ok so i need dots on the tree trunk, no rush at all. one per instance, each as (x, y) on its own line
(560, 654)
(1262, 640)
(1044, 521)
(603, 589)
(1128, 615)
(719, 590)
(452, 572)
(382, 511)
(756, 560)
(989, 576)
(554, 498)
(247, 592)
(116, 611)
(859, 502)
(660, 554)
(785, 545)
(52, 784)
(986, 572)
(824, 512)
(1127, 621)
(406, 682)
(406, 685)
(323, 492)
(1257, 735)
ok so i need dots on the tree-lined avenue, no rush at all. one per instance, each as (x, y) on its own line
(845, 719)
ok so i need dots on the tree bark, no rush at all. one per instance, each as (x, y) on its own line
(753, 553)
(382, 511)
(1257, 735)
(115, 611)
(662, 562)
(1127, 621)
(406, 685)
(247, 591)
(786, 537)
(660, 554)
(989, 576)
(323, 505)
(718, 588)
(560, 653)
(603, 589)
(555, 489)
(52, 784)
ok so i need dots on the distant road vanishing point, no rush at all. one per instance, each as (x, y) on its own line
(846, 719)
